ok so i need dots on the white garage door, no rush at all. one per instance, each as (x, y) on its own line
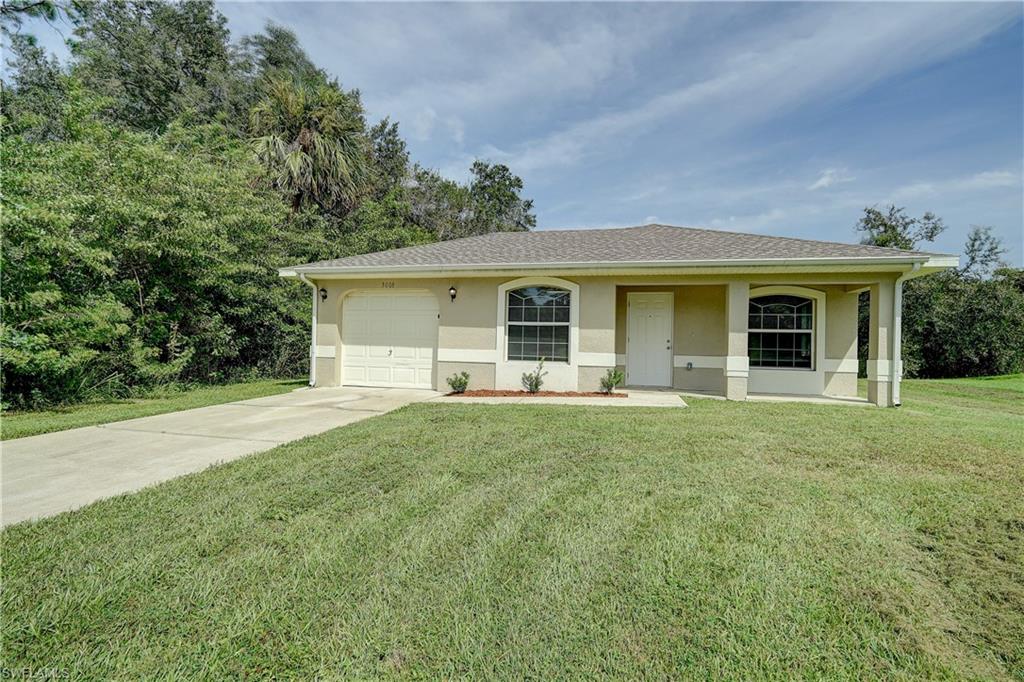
(388, 339)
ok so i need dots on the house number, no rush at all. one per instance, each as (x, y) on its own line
(387, 285)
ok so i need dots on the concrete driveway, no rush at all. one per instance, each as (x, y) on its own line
(47, 474)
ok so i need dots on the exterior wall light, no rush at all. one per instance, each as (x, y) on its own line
(323, 294)
(452, 291)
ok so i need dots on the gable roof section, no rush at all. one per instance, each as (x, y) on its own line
(647, 245)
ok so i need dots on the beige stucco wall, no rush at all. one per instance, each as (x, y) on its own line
(481, 374)
(326, 372)
(699, 380)
(699, 318)
(590, 378)
(699, 332)
(467, 323)
(597, 314)
(700, 326)
(840, 341)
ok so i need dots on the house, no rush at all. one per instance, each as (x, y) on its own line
(692, 309)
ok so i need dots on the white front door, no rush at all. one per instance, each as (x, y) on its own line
(649, 339)
(389, 339)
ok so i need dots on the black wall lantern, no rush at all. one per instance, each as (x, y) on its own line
(323, 294)
(452, 291)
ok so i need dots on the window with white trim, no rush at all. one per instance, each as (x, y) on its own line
(537, 320)
(780, 332)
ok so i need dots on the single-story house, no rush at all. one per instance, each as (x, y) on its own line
(690, 309)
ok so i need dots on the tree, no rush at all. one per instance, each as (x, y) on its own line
(958, 325)
(310, 141)
(438, 205)
(276, 53)
(491, 202)
(379, 225)
(965, 322)
(983, 253)
(34, 97)
(142, 214)
(14, 12)
(130, 261)
(896, 230)
(497, 206)
(154, 60)
(390, 156)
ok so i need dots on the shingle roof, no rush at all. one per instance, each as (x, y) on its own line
(648, 244)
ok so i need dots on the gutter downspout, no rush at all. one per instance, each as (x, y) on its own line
(896, 370)
(312, 336)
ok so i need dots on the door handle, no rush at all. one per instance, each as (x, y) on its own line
(390, 350)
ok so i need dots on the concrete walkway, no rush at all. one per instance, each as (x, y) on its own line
(54, 472)
(634, 398)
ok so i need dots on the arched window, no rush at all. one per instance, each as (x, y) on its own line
(538, 324)
(780, 332)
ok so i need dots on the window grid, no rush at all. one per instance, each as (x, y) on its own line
(780, 332)
(537, 324)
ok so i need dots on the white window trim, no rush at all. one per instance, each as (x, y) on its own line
(562, 376)
(794, 380)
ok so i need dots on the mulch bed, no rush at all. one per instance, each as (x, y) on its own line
(484, 393)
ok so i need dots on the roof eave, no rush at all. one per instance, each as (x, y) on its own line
(928, 264)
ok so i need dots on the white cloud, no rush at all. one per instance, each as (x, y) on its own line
(760, 222)
(826, 52)
(987, 180)
(829, 177)
(427, 121)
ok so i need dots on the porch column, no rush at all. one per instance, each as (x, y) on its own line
(737, 363)
(880, 343)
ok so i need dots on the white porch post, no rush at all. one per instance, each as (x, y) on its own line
(737, 363)
(881, 338)
(896, 371)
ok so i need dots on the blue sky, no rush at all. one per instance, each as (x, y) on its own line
(782, 119)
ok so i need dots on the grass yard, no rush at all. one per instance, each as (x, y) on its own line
(727, 540)
(1009, 382)
(21, 424)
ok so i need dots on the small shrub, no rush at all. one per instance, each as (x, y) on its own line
(532, 381)
(459, 382)
(612, 378)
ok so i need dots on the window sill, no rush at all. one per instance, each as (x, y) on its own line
(786, 369)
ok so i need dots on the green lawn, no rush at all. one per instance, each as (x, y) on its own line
(727, 540)
(21, 424)
(1009, 382)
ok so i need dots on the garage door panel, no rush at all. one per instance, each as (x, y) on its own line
(379, 374)
(404, 375)
(377, 352)
(405, 353)
(389, 339)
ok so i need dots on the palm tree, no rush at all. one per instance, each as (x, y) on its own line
(311, 141)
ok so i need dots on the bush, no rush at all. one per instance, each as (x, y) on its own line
(611, 379)
(532, 381)
(459, 382)
(958, 326)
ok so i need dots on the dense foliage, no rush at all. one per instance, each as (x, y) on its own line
(957, 326)
(964, 322)
(153, 186)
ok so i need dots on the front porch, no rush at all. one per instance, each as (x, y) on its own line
(744, 340)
